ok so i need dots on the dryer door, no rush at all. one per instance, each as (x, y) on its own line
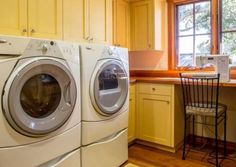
(39, 97)
(109, 87)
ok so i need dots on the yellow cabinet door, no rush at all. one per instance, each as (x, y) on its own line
(154, 119)
(121, 25)
(45, 18)
(132, 118)
(99, 20)
(74, 20)
(13, 17)
(142, 25)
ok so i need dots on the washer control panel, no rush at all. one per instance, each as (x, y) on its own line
(58, 49)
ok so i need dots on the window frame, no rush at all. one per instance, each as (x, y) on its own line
(172, 29)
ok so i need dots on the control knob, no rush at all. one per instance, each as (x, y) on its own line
(110, 51)
(44, 48)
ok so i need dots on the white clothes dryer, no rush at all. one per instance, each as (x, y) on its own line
(105, 103)
(40, 115)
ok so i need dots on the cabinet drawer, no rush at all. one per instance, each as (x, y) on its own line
(158, 89)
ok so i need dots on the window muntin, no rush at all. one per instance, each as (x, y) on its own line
(193, 31)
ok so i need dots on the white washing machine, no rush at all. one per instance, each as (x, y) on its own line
(40, 116)
(105, 103)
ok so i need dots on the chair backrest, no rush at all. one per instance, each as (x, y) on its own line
(200, 90)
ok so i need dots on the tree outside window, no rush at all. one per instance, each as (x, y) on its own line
(228, 28)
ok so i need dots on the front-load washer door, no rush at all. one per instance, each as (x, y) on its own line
(109, 87)
(39, 96)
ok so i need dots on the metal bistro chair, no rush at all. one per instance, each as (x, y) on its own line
(200, 97)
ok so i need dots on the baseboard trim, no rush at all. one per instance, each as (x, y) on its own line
(158, 146)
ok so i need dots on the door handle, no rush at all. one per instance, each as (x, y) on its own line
(3, 41)
(67, 94)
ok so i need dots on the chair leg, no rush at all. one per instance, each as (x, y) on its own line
(216, 141)
(225, 146)
(193, 131)
(185, 124)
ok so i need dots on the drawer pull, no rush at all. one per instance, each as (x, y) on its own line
(153, 89)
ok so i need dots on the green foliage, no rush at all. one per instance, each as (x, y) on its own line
(197, 18)
(229, 24)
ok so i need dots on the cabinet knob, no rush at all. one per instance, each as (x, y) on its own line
(24, 30)
(153, 89)
(33, 31)
(90, 39)
(87, 38)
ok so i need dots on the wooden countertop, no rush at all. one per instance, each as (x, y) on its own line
(173, 80)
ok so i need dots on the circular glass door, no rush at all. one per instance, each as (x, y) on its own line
(110, 87)
(41, 97)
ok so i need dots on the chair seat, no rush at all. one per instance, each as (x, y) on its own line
(205, 111)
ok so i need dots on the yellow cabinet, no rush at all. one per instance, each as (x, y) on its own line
(74, 27)
(154, 119)
(132, 115)
(99, 20)
(45, 18)
(121, 23)
(141, 25)
(13, 17)
(148, 24)
(35, 18)
(87, 20)
(159, 115)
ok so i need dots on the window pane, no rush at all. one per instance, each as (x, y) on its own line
(229, 45)
(185, 51)
(202, 45)
(185, 59)
(185, 19)
(186, 44)
(202, 18)
(194, 31)
(228, 15)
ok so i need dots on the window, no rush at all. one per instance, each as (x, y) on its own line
(228, 29)
(193, 31)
